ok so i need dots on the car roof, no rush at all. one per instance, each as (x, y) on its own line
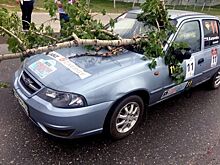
(178, 14)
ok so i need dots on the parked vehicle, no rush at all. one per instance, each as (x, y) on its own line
(71, 97)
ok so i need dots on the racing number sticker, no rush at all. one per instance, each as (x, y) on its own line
(190, 67)
(214, 58)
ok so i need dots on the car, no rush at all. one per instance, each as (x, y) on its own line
(71, 97)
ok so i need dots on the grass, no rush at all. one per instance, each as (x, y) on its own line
(95, 6)
(215, 10)
(99, 5)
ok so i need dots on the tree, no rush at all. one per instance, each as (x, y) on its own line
(83, 30)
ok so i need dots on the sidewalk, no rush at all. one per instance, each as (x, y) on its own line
(40, 18)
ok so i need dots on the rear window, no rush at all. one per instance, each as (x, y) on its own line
(211, 32)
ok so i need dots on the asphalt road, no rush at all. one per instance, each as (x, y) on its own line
(179, 131)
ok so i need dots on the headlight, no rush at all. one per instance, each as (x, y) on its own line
(62, 99)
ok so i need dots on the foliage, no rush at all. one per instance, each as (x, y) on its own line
(172, 61)
(83, 26)
(30, 39)
(3, 85)
(155, 16)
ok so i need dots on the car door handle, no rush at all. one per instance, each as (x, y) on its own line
(201, 60)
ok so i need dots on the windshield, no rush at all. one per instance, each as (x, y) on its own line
(127, 26)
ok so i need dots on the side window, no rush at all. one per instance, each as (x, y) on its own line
(211, 32)
(191, 34)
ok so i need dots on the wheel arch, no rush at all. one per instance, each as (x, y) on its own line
(143, 94)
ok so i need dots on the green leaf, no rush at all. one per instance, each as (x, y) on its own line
(103, 12)
(4, 85)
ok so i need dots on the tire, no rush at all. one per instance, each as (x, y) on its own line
(126, 116)
(214, 82)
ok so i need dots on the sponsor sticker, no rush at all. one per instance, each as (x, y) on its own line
(43, 68)
(70, 65)
(174, 90)
(189, 84)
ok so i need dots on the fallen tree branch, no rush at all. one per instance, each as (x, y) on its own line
(110, 53)
(73, 36)
(52, 19)
(13, 35)
(68, 44)
(112, 34)
(44, 35)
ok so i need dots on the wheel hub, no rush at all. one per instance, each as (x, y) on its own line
(127, 117)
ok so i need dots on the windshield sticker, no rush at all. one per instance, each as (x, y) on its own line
(70, 65)
(190, 67)
(211, 38)
(43, 68)
(214, 60)
(174, 90)
(211, 32)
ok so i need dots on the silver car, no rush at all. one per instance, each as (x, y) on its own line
(71, 97)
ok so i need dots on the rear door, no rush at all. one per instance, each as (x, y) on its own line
(211, 44)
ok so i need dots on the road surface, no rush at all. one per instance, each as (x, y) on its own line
(178, 131)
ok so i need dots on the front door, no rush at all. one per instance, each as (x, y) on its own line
(190, 32)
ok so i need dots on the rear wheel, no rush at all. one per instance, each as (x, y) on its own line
(214, 82)
(126, 116)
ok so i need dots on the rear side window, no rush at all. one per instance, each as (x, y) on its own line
(191, 34)
(211, 32)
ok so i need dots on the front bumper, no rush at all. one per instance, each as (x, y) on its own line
(63, 123)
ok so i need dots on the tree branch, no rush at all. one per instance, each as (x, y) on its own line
(77, 42)
(52, 38)
(110, 53)
(13, 35)
(73, 36)
(112, 34)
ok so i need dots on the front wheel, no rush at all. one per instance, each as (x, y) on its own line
(126, 117)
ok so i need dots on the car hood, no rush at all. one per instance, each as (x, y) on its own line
(61, 71)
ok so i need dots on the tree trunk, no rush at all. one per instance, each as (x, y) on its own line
(68, 44)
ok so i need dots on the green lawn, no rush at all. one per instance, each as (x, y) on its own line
(99, 5)
(95, 5)
(213, 10)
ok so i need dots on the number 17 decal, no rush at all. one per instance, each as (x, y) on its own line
(190, 67)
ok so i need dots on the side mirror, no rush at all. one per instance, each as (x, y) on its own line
(180, 56)
(187, 55)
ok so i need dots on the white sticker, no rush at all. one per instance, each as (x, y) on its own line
(43, 68)
(190, 68)
(214, 59)
(70, 65)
